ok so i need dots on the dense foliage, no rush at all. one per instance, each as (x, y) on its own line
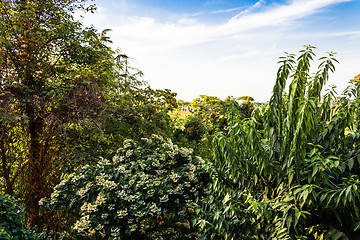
(146, 191)
(297, 178)
(12, 220)
(66, 99)
(284, 170)
(205, 116)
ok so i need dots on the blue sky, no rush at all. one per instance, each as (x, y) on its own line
(228, 48)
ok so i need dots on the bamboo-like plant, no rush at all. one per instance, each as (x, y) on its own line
(291, 171)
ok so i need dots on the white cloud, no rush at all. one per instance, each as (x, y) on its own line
(248, 10)
(188, 21)
(277, 15)
(188, 31)
(227, 10)
(216, 59)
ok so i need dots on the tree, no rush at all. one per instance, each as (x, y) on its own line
(66, 98)
(298, 177)
(43, 53)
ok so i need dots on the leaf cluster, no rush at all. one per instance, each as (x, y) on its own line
(296, 178)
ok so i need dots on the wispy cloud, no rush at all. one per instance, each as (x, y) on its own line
(227, 10)
(248, 10)
(189, 31)
(195, 50)
(277, 15)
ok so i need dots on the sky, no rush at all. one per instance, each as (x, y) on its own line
(227, 47)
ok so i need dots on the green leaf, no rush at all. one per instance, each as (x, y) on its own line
(297, 216)
(226, 198)
(351, 163)
(337, 235)
(348, 195)
(323, 196)
(330, 198)
(312, 152)
(356, 210)
(315, 170)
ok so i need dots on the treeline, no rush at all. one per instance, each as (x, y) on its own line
(89, 151)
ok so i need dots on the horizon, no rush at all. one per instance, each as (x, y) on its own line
(228, 48)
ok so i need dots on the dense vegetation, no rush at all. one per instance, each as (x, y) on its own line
(291, 171)
(89, 151)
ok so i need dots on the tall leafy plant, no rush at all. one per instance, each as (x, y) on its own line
(296, 177)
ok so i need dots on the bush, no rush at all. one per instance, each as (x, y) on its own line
(147, 190)
(11, 220)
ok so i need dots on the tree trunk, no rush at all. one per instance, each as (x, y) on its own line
(36, 178)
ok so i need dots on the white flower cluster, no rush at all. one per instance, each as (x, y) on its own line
(142, 165)
(156, 163)
(41, 201)
(118, 159)
(115, 232)
(131, 198)
(99, 227)
(165, 198)
(128, 143)
(139, 214)
(64, 181)
(174, 177)
(143, 177)
(129, 153)
(55, 194)
(157, 137)
(100, 199)
(200, 160)
(121, 168)
(85, 167)
(185, 152)
(179, 189)
(82, 224)
(102, 162)
(88, 207)
(82, 191)
(192, 167)
(122, 213)
(191, 175)
(76, 178)
(154, 210)
(102, 181)
(121, 194)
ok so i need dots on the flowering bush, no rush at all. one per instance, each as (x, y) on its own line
(146, 190)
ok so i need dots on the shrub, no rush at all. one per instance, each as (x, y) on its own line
(146, 190)
(11, 220)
